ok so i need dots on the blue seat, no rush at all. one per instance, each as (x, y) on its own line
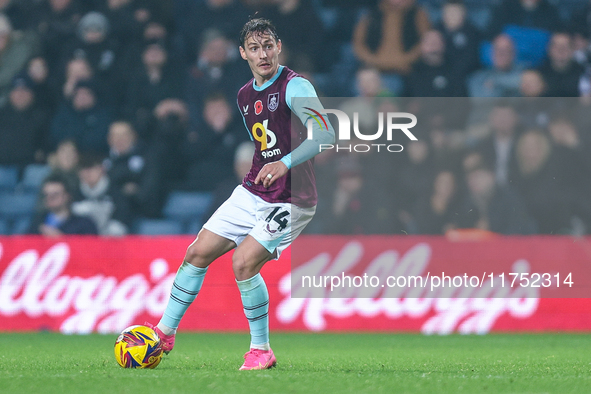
(34, 176)
(530, 46)
(8, 178)
(187, 206)
(158, 227)
(194, 227)
(3, 227)
(17, 205)
(20, 225)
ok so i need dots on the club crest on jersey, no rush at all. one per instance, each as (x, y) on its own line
(273, 101)
(258, 107)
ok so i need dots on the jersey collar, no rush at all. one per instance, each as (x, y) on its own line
(269, 82)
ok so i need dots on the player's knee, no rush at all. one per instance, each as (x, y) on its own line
(241, 267)
(197, 255)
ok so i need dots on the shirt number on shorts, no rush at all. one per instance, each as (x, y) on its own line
(278, 217)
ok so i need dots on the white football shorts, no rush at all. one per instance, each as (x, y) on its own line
(273, 225)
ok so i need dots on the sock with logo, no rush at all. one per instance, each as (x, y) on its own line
(255, 301)
(185, 288)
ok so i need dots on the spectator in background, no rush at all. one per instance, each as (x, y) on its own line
(445, 141)
(153, 31)
(573, 162)
(155, 80)
(213, 150)
(133, 171)
(94, 43)
(38, 73)
(127, 19)
(23, 126)
(56, 218)
(434, 213)
(349, 210)
(389, 39)
(298, 21)
(532, 84)
(561, 72)
(64, 161)
(535, 14)
(415, 177)
(194, 18)
(55, 23)
(503, 79)
(83, 119)
(369, 83)
(533, 111)
(432, 75)
(461, 37)
(242, 164)
(217, 69)
(538, 183)
(498, 149)
(490, 207)
(172, 142)
(98, 200)
(77, 70)
(580, 25)
(16, 48)
(18, 12)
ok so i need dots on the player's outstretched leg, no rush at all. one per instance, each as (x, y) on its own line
(247, 262)
(186, 286)
(188, 281)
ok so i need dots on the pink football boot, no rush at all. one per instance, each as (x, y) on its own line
(258, 359)
(166, 340)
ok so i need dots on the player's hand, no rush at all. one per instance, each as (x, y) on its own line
(277, 169)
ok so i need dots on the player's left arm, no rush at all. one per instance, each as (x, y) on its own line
(307, 98)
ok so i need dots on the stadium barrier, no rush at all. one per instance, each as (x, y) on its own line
(88, 284)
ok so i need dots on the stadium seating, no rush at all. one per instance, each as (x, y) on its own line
(158, 227)
(20, 226)
(17, 205)
(194, 227)
(33, 176)
(187, 207)
(16, 210)
(8, 178)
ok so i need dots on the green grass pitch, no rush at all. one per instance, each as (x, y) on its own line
(307, 363)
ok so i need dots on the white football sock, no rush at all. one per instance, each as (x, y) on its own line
(166, 330)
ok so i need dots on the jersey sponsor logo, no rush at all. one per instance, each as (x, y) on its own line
(258, 107)
(267, 138)
(273, 101)
(245, 109)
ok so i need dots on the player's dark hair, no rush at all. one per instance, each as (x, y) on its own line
(257, 26)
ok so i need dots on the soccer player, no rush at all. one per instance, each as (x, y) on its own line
(264, 214)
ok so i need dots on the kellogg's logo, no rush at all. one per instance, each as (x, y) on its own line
(468, 313)
(35, 286)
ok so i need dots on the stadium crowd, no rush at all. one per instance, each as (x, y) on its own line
(120, 103)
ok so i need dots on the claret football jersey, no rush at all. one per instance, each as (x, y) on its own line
(267, 116)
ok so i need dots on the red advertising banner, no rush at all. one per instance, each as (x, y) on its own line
(88, 284)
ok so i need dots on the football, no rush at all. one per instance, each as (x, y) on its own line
(138, 347)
